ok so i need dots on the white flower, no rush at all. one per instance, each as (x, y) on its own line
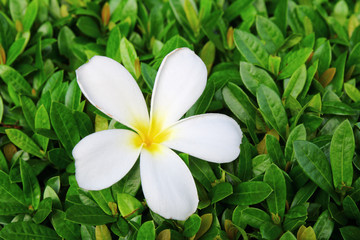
(103, 158)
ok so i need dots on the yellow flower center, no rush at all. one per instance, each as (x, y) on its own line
(150, 136)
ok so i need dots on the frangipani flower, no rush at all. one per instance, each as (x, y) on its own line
(103, 158)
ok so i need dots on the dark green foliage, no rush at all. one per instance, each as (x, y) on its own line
(286, 70)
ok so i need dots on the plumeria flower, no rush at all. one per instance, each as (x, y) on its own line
(103, 158)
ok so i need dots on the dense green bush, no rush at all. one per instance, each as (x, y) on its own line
(295, 98)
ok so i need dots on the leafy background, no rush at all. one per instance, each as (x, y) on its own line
(295, 98)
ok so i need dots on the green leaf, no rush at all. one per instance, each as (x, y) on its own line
(321, 29)
(192, 225)
(15, 50)
(128, 205)
(270, 231)
(88, 26)
(298, 133)
(295, 217)
(338, 108)
(255, 217)
(42, 121)
(202, 172)
(177, 8)
(237, 217)
(323, 54)
(338, 80)
(88, 215)
(277, 199)
(66, 41)
(292, 61)
(58, 157)
(1, 109)
(272, 109)
(87, 232)
(17, 9)
(324, 226)
(245, 161)
(260, 163)
(296, 83)
(341, 155)
(251, 48)
(280, 15)
(220, 191)
(43, 211)
(3, 163)
(17, 81)
(291, 41)
(30, 184)
(27, 230)
(354, 56)
(128, 56)
(148, 74)
(314, 164)
(337, 215)
(172, 44)
(24, 142)
(113, 44)
(84, 123)
(224, 76)
(125, 10)
(253, 77)
(348, 232)
(270, 33)
(275, 152)
(65, 126)
(73, 96)
(30, 15)
(288, 236)
(102, 233)
(351, 210)
(12, 200)
(207, 54)
(129, 184)
(29, 110)
(65, 228)
(103, 198)
(352, 92)
(236, 8)
(304, 194)
(191, 14)
(146, 231)
(204, 101)
(248, 193)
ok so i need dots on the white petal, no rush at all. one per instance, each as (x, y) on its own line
(179, 83)
(103, 158)
(211, 137)
(112, 89)
(167, 184)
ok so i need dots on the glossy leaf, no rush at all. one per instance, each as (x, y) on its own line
(341, 154)
(239, 103)
(296, 83)
(272, 109)
(64, 125)
(87, 215)
(270, 33)
(276, 201)
(251, 48)
(253, 77)
(314, 164)
(31, 185)
(248, 193)
(24, 142)
(27, 230)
